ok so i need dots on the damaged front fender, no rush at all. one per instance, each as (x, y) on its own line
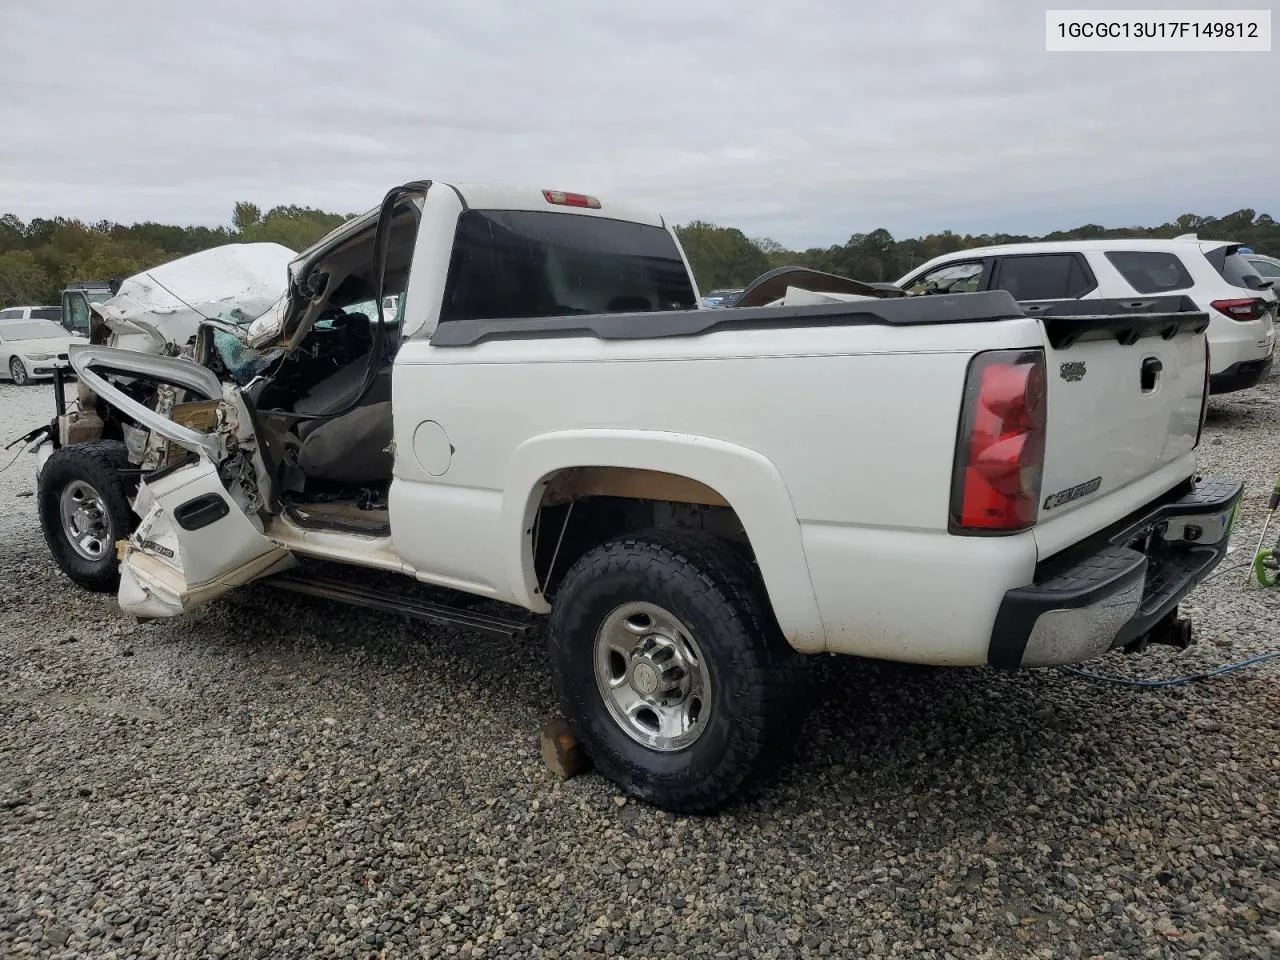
(193, 544)
(90, 362)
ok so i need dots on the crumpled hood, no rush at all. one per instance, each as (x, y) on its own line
(159, 310)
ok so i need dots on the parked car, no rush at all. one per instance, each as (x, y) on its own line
(29, 348)
(1267, 267)
(699, 500)
(30, 313)
(720, 298)
(1212, 273)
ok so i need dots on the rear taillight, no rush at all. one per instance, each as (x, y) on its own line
(563, 199)
(1000, 448)
(1243, 309)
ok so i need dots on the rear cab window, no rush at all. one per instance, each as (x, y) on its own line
(515, 264)
(1149, 271)
(1044, 276)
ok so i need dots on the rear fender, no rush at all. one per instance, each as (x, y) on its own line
(748, 481)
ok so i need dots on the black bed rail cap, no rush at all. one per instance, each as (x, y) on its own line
(1127, 320)
(897, 311)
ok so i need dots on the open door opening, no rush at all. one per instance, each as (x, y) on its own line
(319, 396)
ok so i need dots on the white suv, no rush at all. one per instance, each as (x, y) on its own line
(32, 313)
(1220, 281)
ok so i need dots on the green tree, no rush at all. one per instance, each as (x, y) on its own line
(293, 226)
(23, 280)
(245, 216)
(721, 256)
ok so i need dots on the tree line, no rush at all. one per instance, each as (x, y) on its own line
(38, 258)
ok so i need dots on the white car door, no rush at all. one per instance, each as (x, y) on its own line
(200, 533)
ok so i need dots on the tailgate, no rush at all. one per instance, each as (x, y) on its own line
(1126, 386)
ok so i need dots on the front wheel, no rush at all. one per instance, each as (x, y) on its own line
(84, 510)
(672, 671)
(18, 371)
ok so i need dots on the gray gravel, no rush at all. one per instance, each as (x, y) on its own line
(290, 778)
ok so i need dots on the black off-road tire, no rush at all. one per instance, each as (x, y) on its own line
(758, 682)
(97, 463)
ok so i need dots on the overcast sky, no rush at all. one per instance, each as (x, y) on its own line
(805, 121)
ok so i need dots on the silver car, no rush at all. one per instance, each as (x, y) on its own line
(1268, 268)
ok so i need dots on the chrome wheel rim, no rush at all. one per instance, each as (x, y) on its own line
(653, 677)
(17, 371)
(84, 520)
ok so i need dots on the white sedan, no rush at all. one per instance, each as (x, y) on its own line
(28, 348)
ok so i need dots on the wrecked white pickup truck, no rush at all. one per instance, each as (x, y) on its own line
(699, 499)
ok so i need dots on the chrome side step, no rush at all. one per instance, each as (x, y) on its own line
(387, 601)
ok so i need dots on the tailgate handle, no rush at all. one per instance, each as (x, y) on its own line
(1151, 368)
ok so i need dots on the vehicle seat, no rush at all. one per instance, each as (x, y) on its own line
(337, 390)
(352, 448)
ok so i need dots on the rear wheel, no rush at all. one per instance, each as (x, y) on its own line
(84, 510)
(18, 371)
(672, 671)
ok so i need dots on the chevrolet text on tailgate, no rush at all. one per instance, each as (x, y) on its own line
(700, 499)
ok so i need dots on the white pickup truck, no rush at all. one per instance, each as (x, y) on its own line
(700, 499)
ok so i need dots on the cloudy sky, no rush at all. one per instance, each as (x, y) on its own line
(804, 121)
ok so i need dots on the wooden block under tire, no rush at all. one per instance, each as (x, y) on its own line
(561, 752)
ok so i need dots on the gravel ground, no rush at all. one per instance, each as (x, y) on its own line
(287, 777)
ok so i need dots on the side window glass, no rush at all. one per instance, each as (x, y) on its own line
(1266, 269)
(77, 311)
(949, 278)
(10, 314)
(1079, 281)
(1151, 272)
(1240, 272)
(1046, 276)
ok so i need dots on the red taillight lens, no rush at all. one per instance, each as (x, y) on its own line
(563, 199)
(1000, 448)
(1243, 309)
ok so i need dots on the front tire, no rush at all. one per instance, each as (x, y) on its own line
(18, 371)
(671, 669)
(84, 510)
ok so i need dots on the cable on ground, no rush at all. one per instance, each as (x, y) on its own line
(1176, 681)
